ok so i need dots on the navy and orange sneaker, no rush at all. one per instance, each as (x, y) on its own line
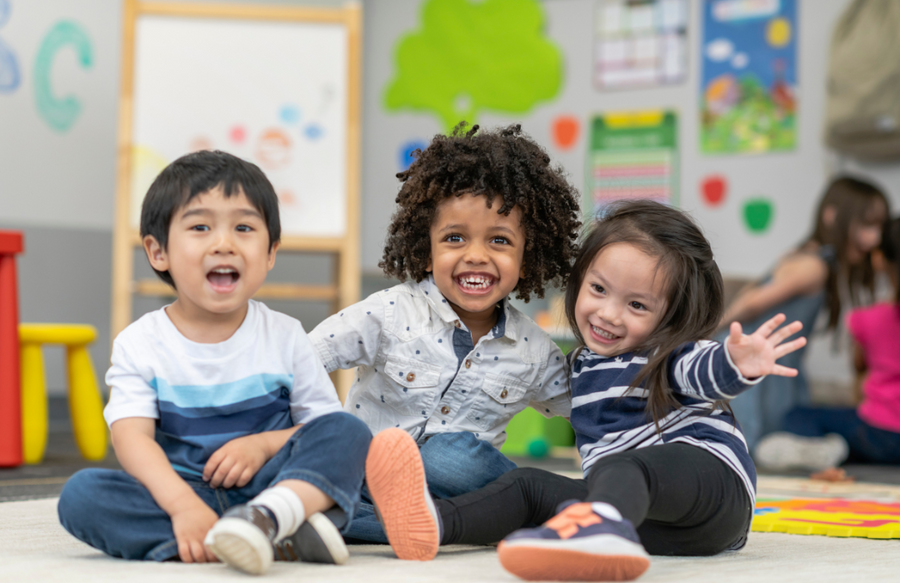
(585, 542)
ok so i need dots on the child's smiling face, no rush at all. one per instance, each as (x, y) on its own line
(217, 253)
(621, 300)
(476, 254)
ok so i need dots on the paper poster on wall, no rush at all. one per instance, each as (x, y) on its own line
(749, 76)
(639, 43)
(633, 155)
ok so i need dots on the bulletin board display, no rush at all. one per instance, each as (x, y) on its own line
(278, 86)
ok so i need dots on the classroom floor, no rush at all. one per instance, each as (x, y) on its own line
(34, 547)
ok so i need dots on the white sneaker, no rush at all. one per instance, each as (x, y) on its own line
(787, 451)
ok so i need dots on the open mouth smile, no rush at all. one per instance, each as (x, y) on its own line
(223, 279)
(603, 336)
(476, 284)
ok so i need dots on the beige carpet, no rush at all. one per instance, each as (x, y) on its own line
(35, 548)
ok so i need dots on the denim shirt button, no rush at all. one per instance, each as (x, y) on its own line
(410, 377)
(503, 394)
(468, 363)
(445, 410)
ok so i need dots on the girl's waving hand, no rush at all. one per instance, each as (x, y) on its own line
(755, 354)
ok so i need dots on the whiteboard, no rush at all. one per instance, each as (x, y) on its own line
(272, 93)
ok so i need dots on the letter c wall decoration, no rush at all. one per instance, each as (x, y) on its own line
(59, 113)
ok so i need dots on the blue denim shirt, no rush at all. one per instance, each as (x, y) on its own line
(417, 368)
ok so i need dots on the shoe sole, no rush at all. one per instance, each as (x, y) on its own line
(241, 545)
(329, 548)
(786, 451)
(545, 564)
(396, 479)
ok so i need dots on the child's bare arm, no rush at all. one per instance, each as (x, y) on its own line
(755, 354)
(797, 275)
(143, 458)
(236, 462)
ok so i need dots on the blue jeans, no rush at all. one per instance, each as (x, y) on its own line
(113, 512)
(868, 444)
(455, 463)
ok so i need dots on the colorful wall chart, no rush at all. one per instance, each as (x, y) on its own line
(639, 43)
(633, 155)
(749, 76)
(467, 57)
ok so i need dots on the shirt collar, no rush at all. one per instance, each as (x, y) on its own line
(505, 325)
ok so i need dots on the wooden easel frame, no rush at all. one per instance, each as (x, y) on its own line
(345, 290)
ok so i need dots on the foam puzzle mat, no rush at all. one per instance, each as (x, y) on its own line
(830, 517)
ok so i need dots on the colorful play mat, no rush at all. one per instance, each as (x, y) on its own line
(830, 517)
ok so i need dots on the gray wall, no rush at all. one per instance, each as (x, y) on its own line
(59, 187)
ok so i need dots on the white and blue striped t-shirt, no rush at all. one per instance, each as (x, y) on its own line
(266, 377)
(608, 417)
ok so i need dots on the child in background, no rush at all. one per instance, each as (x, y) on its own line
(444, 356)
(230, 433)
(666, 468)
(820, 438)
(837, 255)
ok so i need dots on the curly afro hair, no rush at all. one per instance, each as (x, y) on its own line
(502, 162)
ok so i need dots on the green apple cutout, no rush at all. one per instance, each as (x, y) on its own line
(758, 213)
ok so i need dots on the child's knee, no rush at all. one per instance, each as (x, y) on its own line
(353, 433)
(79, 496)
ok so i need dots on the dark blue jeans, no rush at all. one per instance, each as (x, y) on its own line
(868, 444)
(455, 464)
(113, 512)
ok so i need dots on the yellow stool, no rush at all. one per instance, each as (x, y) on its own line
(85, 403)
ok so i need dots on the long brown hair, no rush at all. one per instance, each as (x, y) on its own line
(693, 285)
(852, 199)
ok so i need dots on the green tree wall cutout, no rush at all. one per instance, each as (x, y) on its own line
(467, 57)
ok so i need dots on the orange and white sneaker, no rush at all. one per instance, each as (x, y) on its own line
(396, 479)
(585, 542)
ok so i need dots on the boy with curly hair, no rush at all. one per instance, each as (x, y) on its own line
(444, 356)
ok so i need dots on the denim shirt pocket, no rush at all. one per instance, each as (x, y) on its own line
(411, 385)
(499, 399)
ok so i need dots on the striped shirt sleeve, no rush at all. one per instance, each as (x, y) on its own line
(704, 370)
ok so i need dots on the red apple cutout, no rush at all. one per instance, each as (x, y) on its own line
(714, 189)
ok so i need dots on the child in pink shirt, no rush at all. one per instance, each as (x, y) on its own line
(818, 438)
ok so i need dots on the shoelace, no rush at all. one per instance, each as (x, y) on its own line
(567, 523)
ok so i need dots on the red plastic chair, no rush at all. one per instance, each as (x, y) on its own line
(11, 243)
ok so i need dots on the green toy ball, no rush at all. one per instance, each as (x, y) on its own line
(538, 447)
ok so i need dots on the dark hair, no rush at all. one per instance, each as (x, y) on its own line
(502, 162)
(890, 248)
(852, 199)
(694, 291)
(196, 173)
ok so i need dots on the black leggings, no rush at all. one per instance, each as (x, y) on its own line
(682, 499)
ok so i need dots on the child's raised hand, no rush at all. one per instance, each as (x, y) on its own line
(755, 354)
(236, 462)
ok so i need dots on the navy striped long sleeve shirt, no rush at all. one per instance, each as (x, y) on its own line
(608, 417)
